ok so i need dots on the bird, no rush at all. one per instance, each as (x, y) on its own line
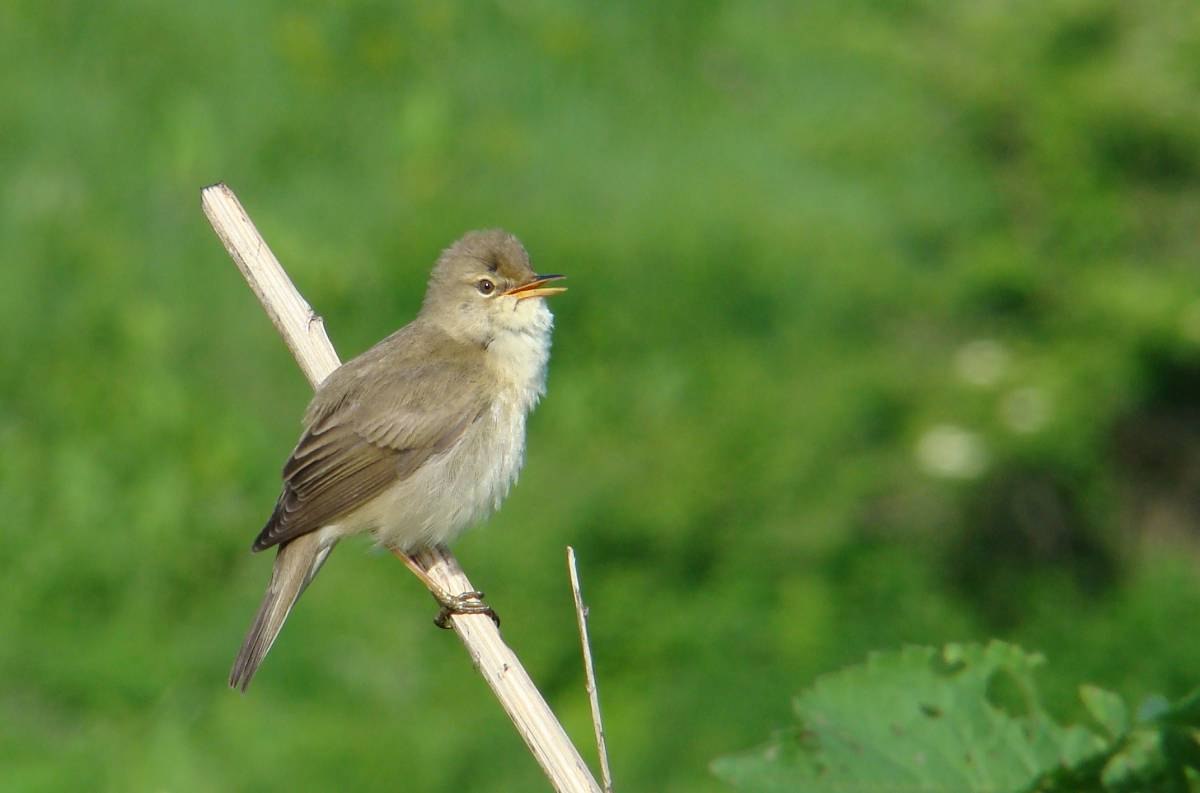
(419, 437)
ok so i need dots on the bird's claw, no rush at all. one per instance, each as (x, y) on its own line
(466, 603)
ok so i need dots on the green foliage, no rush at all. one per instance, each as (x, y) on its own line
(966, 719)
(883, 329)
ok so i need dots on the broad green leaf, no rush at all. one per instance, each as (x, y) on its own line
(918, 721)
(776, 768)
(967, 720)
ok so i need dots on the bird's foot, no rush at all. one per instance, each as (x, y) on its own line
(466, 603)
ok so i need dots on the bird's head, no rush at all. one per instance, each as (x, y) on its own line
(483, 285)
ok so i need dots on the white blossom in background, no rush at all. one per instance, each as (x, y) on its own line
(952, 452)
(1189, 323)
(981, 362)
(1025, 410)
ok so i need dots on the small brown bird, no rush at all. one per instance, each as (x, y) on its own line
(420, 436)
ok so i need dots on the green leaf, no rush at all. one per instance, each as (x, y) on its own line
(1107, 709)
(967, 719)
(1185, 712)
(962, 720)
(1136, 764)
(775, 768)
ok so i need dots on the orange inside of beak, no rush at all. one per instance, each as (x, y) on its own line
(535, 289)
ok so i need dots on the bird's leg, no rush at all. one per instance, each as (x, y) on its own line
(465, 603)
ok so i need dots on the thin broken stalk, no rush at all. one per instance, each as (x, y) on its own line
(589, 672)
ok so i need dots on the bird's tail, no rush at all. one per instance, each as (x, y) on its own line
(295, 566)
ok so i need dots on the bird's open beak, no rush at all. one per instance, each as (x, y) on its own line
(535, 289)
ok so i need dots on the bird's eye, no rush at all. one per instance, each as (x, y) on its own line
(485, 286)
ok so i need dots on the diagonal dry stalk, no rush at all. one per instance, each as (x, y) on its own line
(304, 333)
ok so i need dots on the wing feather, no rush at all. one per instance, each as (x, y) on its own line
(365, 433)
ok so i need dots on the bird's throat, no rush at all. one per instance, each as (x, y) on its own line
(518, 361)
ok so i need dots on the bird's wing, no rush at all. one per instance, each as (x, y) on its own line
(371, 437)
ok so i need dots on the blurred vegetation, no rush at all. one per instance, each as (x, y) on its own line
(883, 328)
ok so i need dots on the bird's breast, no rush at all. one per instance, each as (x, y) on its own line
(466, 483)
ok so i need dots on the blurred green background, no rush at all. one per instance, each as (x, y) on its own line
(883, 327)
